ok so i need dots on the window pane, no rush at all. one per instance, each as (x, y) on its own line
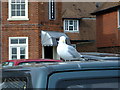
(22, 50)
(13, 13)
(13, 6)
(13, 1)
(14, 57)
(14, 41)
(22, 13)
(18, 13)
(66, 24)
(22, 56)
(18, 1)
(75, 24)
(22, 41)
(89, 84)
(23, 6)
(22, 1)
(18, 6)
(70, 27)
(71, 22)
(14, 50)
(119, 17)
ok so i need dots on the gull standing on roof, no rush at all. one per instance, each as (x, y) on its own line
(67, 52)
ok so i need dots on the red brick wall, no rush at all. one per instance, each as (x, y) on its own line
(38, 20)
(21, 29)
(52, 25)
(87, 31)
(0, 33)
(107, 30)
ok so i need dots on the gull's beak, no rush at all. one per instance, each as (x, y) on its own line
(63, 41)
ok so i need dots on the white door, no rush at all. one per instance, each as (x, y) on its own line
(18, 48)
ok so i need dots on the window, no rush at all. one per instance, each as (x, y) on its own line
(71, 80)
(90, 84)
(74, 45)
(51, 9)
(71, 25)
(18, 10)
(5, 64)
(118, 17)
(18, 48)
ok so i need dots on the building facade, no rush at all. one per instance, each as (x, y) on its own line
(30, 30)
(0, 34)
(22, 22)
(107, 27)
(80, 25)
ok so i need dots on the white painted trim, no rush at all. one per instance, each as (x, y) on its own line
(55, 55)
(18, 47)
(118, 19)
(43, 56)
(71, 25)
(18, 17)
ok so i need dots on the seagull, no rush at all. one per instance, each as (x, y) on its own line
(67, 52)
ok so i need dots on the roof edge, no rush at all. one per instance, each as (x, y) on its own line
(105, 10)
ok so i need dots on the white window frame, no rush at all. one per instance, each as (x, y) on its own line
(74, 45)
(68, 20)
(118, 18)
(18, 47)
(10, 17)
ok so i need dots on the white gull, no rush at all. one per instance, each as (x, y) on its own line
(67, 52)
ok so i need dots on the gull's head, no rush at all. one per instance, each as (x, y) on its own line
(62, 39)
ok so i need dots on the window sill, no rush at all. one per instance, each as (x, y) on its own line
(118, 28)
(71, 31)
(17, 19)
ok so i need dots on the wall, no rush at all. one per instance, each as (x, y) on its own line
(21, 29)
(87, 31)
(107, 32)
(38, 20)
(51, 25)
(0, 33)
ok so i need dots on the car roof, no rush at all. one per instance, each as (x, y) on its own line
(102, 56)
(27, 60)
(72, 65)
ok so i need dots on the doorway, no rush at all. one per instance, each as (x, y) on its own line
(48, 52)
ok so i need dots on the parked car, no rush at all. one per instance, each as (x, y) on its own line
(27, 62)
(100, 56)
(70, 75)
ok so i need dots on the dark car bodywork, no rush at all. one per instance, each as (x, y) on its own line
(64, 76)
(100, 56)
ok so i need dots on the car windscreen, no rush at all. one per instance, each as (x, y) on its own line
(6, 64)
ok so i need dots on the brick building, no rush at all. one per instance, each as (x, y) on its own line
(107, 25)
(0, 33)
(31, 29)
(22, 23)
(84, 36)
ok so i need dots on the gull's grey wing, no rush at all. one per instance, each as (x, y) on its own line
(73, 52)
